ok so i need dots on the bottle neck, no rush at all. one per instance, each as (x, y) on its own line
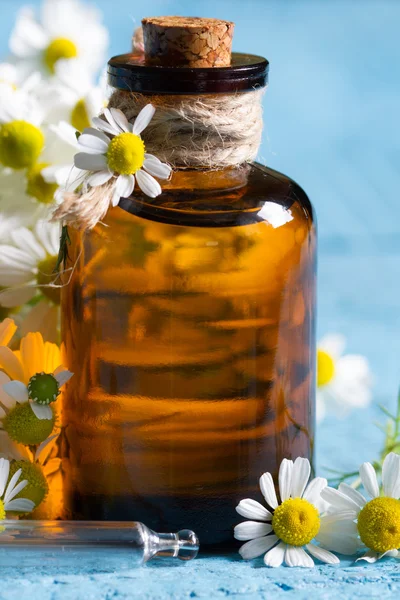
(206, 180)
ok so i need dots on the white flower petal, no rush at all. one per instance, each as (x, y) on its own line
(99, 134)
(391, 475)
(143, 119)
(20, 505)
(297, 557)
(4, 472)
(371, 557)
(350, 492)
(323, 555)
(369, 480)
(249, 530)
(157, 168)
(339, 542)
(24, 239)
(92, 144)
(313, 490)
(120, 119)
(45, 448)
(11, 493)
(390, 554)
(5, 399)
(148, 184)
(333, 344)
(275, 556)
(44, 413)
(251, 509)
(110, 118)
(300, 476)
(268, 490)
(62, 377)
(18, 296)
(285, 479)
(11, 485)
(17, 390)
(338, 500)
(124, 186)
(257, 547)
(99, 178)
(104, 126)
(90, 162)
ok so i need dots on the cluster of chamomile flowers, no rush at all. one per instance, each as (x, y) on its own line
(311, 520)
(31, 382)
(50, 89)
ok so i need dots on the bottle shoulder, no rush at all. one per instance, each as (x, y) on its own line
(284, 190)
(257, 193)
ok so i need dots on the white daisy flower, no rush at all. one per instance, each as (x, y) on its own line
(27, 265)
(116, 151)
(21, 138)
(8, 492)
(41, 390)
(374, 524)
(343, 381)
(285, 531)
(12, 78)
(68, 29)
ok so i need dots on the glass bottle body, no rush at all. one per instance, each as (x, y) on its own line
(189, 325)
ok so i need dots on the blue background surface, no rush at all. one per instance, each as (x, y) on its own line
(332, 123)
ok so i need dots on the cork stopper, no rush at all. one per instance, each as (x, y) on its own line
(187, 42)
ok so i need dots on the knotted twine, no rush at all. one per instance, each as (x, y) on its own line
(193, 132)
(207, 131)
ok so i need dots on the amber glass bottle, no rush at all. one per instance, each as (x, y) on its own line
(189, 325)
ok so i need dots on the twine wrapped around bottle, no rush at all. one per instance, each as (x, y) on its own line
(207, 131)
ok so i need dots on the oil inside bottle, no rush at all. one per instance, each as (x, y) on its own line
(189, 325)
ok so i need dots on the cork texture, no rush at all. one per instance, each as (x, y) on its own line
(187, 41)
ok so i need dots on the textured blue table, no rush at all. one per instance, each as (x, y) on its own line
(213, 577)
(332, 124)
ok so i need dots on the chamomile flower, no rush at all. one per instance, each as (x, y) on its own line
(80, 98)
(9, 489)
(35, 377)
(36, 466)
(12, 78)
(285, 532)
(115, 150)
(27, 265)
(343, 381)
(68, 29)
(42, 389)
(376, 522)
(21, 137)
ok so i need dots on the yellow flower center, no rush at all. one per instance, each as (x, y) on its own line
(20, 144)
(46, 276)
(125, 154)
(2, 511)
(325, 368)
(23, 426)
(79, 116)
(296, 521)
(58, 49)
(379, 524)
(37, 487)
(38, 187)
